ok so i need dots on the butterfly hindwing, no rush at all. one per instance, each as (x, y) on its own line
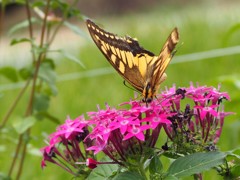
(139, 67)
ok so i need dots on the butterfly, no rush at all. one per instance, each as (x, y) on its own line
(139, 67)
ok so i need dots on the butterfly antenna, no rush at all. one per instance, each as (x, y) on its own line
(124, 82)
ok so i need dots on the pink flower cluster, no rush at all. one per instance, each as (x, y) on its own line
(198, 122)
(125, 132)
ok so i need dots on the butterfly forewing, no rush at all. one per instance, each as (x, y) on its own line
(124, 53)
(139, 67)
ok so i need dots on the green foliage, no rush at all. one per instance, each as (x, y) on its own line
(155, 165)
(129, 175)
(22, 124)
(10, 73)
(72, 58)
(104, 171)
(77, 30)
(39, 76)
(48, 75)
(21, 26)
(195, 163)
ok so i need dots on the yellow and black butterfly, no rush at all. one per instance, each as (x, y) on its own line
(139, 67)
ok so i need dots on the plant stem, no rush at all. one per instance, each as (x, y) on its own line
(15, 155)
(38, 63)
(11, 109)
(31, 98)
(142, 171)
(23, 155)
(30, 28)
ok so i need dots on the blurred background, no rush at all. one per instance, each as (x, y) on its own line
(208, 53)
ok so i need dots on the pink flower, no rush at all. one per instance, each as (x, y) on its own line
(136, 131)
(207, 110)
(128, 132)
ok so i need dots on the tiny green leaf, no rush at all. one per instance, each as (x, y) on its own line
(76, 29)
(128, 175)
(235, 28)
(4, 176)
(103, 171)
(170, 177)
(41, 102)
(26, 72)
(17, 41)
(195, 163)
(22, 2)
(21, 25)
(22, 124)
(155, 165)
(72, 58)
(38, 4)
(10, 73)
(235, 171)
(48, 75)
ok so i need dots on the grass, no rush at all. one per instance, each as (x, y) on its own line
(202, 28)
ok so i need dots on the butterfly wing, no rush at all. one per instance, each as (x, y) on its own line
(139, 67)
(165, 56)
(125, 54)
(156, 71)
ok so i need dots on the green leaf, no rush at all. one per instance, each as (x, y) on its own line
(22, 124)
(195, 163)
(103, 171)
(170, 177)
(17, 41)
(62, 5)
(4, 176)
(41, 102)
(48, 75)
(10, 73)
(235, 171)
(38, 4)
(128, 175)
(155, 165)
(234, 153)
(22, 2)
(76, 30)
(235, 28)
(72, 58)
(21, 25)
(26, 72)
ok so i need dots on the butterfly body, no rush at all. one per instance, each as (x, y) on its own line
(139, 67)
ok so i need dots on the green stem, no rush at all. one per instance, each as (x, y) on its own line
(30, 28)
(142, 171)
(15, 155)
(27, 133)
(29, 109)
(13, 106)
(61, 23)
